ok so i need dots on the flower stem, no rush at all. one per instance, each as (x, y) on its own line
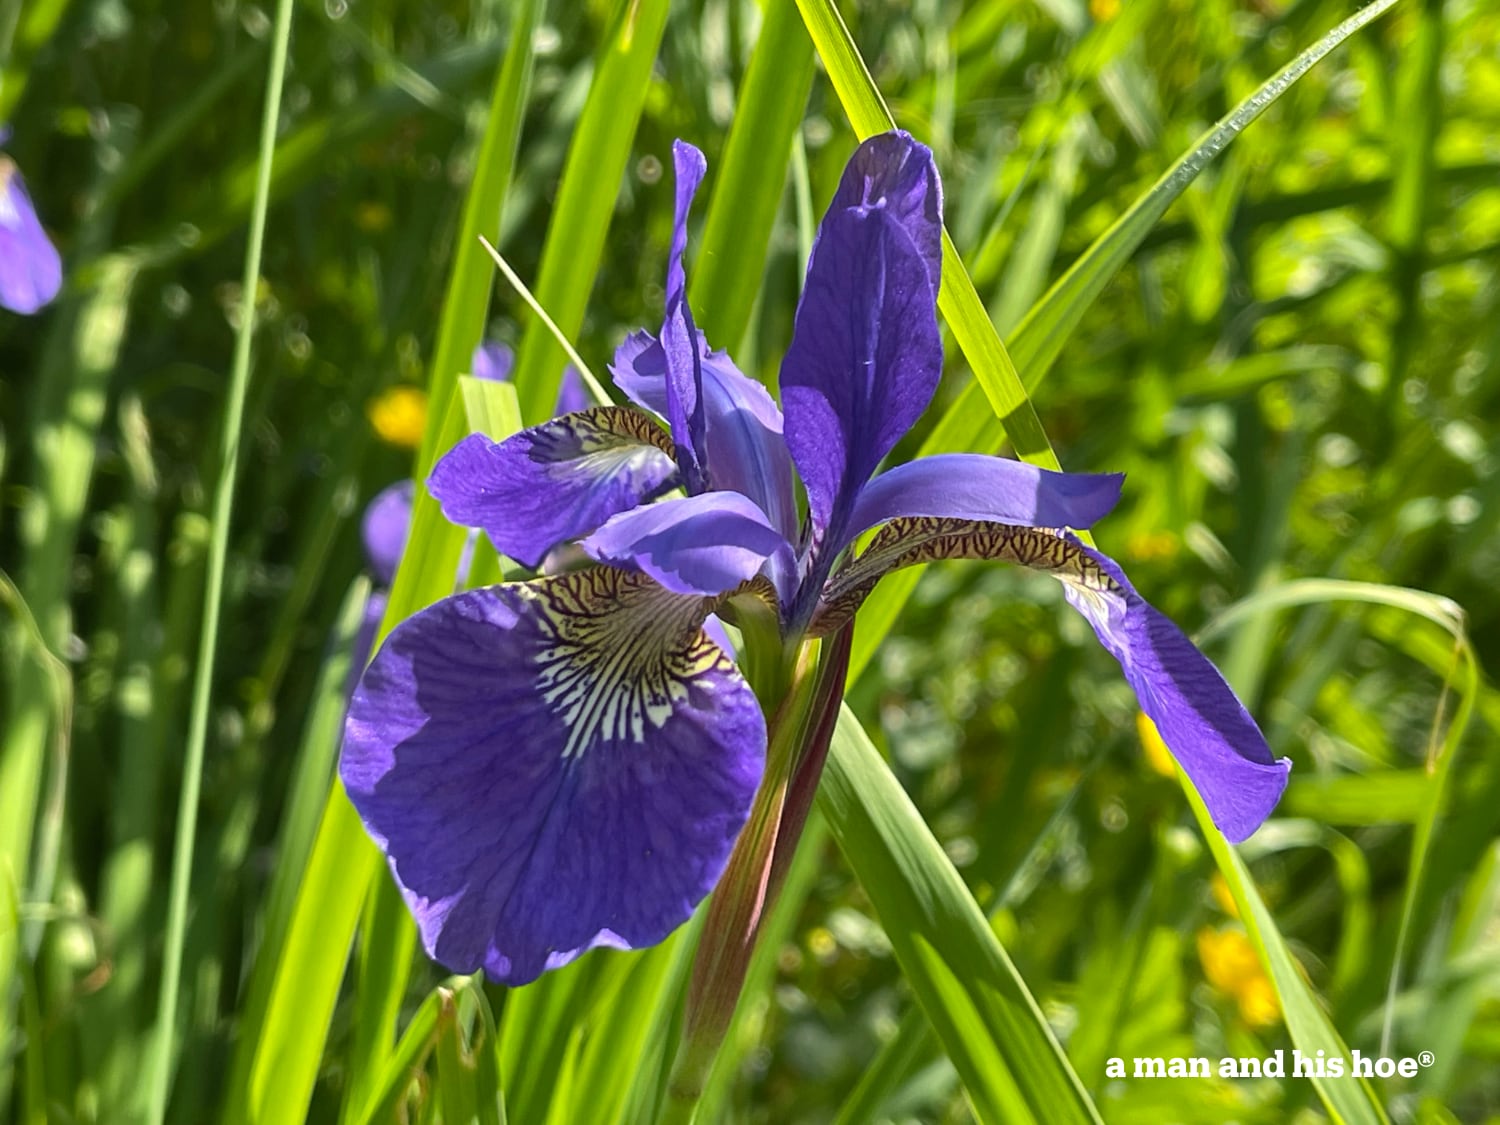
(799, 737)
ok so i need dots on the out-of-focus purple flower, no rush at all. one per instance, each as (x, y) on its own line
(565, 763)
(30, 270)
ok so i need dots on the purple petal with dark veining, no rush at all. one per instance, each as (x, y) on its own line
(972, 486)
(30, 269)
(865, 355)
(1198, 715)
(493, 362)
(706, 544)
(552, 766)
(745, 451)
(386, 522)
(553, 482)
(679, 336)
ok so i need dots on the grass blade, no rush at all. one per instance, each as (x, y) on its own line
(159, 1069)
(978, 1004)
(586, 199)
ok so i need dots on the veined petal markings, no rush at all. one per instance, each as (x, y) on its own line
(624, 653)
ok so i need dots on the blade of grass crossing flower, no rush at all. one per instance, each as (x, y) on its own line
(749, 180)
(980, 1008)
(586, 197)
(466, 303)
(590, 380)
(1038, 340)
(159, 1069)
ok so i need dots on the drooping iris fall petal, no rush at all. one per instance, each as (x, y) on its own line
(553, 766)
(1199, 717)
(553, 482)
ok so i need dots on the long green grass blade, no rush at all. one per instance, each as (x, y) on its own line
(987, 1020)
(159, 1070)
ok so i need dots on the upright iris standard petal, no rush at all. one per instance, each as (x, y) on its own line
(30, 269)
(865, 355)
(1205, 726)
(706, 544)
(553, 482)
(745, 451)
(386, 522)
(972, 486)
(553, 766)
(679, 336)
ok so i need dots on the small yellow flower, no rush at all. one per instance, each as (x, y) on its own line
(1104, 10)
(1220, 890)
(399, 415)
(1231, 966)
(1158, 757)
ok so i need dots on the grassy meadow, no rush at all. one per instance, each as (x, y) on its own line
(1245, 251)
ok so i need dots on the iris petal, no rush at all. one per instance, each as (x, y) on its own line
(30, 269)
(552, 766)
(553, 482)
(384, 528)
(744, 451)
(972, 486)
(706, 544)
(865, 355)
(679, 336)
(1200, 719)
(493, 362)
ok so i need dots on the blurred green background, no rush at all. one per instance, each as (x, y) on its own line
(1298, 368)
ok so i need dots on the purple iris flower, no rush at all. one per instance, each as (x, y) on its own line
(565, 763)
(30, 270)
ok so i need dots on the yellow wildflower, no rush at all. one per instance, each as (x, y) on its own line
(399, 415)
(1232, 967)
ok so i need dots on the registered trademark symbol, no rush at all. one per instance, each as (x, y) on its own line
(1426, 1058)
